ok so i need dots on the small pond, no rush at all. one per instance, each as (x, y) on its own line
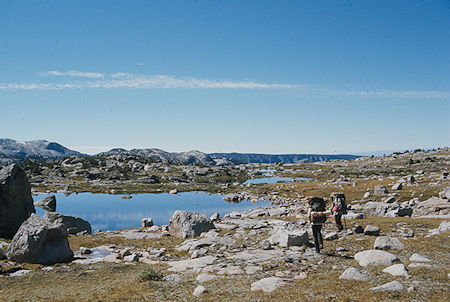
(112, 212)
(271, 180)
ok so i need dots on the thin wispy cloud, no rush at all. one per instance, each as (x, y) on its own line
(119, 80)
(73, 73)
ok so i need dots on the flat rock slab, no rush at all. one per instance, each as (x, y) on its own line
(388, 243)
(396, 270)
(231, 270)
(353, 273)
(20, 273)
(183, 265)
(268, 284)
(260, 256)
(204, 277)
(418, 258)
(419, 265)
(391, 286)
(375, 257)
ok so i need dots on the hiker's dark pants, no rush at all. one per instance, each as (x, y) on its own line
(337, 218)
(316, 230)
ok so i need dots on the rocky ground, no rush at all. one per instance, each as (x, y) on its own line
(395, 245)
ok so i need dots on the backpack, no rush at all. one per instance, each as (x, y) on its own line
(340, 205)
(317, 204)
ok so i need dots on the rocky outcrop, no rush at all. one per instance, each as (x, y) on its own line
(72, 224)
(39, 241)
(189, 224)
(47, 203)
(16, 204)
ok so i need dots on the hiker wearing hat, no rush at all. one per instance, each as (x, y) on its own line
(317, 216)
(339, 208)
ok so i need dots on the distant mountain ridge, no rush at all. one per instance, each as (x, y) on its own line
(253, 158)
(38, 149)
(12, 150)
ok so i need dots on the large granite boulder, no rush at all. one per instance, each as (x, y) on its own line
(47, 203)
(72, 224)
(189, 224)
(16, 204)
(39, 241)
(375, 257)
(374, 208)
(289, 234)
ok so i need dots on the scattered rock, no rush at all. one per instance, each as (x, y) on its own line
(388, 243)
(418, 258)
(205, 277)
(173, 191)
(331, 236)
(359, 229)
(199, 290)
(353, 273)
(268, 284)
(39, 241)
(189, 224)
(265, 245)
(72, 224)
(444, 226)
(396, 270)
(214, 217)
(380, 190)
(397, 186)
(16, 203)
(20, 273)
(172, 278)
(85, 251)
(391, 286)
(372, 230)
(47, 203)
(375, 257)
(419, 265)
(147, 222)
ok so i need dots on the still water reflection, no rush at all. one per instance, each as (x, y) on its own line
(111, 212)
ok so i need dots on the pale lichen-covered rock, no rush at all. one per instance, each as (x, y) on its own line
(388, 243)
(189, 224)
(418, 258)
(268, 284)
(39, 241)
(375, 257)
(391, 286)
(396, 270)
(16, 203)
(353, 273)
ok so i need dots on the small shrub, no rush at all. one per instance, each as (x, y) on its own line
(150, 274)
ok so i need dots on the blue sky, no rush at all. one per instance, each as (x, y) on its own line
(224, 76)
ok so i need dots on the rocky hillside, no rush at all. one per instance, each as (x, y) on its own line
(12, 150)
(188, 158)
(248, 158)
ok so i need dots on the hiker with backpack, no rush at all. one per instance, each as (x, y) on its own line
(317, 216)
(339, 208)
